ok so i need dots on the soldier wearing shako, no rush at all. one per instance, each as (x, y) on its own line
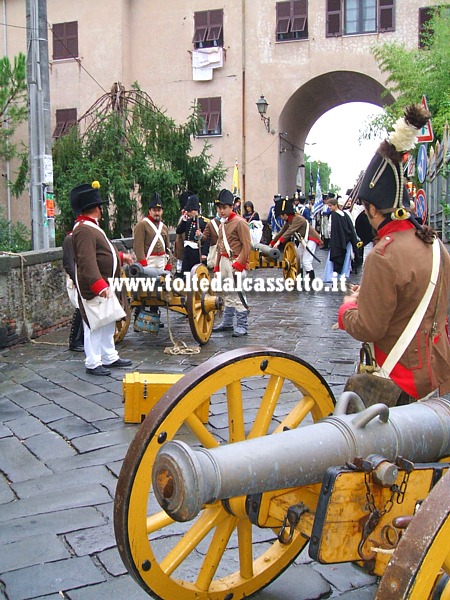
(233, 251)
(192, 225)
(298, 229)
(151, 238)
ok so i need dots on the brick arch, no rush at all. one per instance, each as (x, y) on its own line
(312, 100)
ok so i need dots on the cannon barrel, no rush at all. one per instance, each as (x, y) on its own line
(137, 270)
(268, 251)
(184, 479)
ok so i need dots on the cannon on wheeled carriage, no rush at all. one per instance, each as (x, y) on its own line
(263, 256)
(198, 302)
(218, 509)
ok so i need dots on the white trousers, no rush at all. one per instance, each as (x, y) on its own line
(305, 258)
(99, 346)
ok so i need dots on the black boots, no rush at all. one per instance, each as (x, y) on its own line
(76, 338)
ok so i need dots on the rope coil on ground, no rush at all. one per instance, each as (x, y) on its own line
(179, 347)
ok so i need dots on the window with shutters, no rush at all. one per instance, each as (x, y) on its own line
(356, 17)
(292, 20)
(65, 40)
(425, 15)
(208, 28)
(211, 113)
(65, 119)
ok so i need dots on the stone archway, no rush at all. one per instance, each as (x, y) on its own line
(308, 104)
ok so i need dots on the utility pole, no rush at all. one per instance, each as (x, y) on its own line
(39, 118)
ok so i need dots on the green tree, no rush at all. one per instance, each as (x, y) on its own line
(13, 237)
(414, 73)
(133, 149)
(13, 112)
(312, 166)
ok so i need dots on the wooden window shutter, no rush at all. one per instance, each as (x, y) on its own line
(283, 17)
(65, 119)
(215, 115)
(58, 41)
(386, 15)
(200, 26)
(72, 38)
(215, 25)
(65, 40)
(425, 15)
(334, 18)
(299, 15)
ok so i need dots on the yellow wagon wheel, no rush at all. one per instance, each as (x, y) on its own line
(252, 392)
(122, 326)
(420, 566)
(291, 268)
(201, 304)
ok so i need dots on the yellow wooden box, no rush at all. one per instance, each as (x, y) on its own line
(141, 391)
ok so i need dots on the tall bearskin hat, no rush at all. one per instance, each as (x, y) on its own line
(383, 184)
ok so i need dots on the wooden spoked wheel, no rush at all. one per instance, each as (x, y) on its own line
(420, 566)
(123, 325)
(251, 392)
(201, 305)
(291, 267)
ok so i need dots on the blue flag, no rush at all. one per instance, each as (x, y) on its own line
(318, 202)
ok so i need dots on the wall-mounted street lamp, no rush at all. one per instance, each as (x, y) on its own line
(262, 105)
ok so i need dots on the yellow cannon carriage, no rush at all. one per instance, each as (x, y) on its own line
(215, 504)
(149, 287)
(263, 256)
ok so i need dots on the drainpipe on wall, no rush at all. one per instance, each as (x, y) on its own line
(5, 53)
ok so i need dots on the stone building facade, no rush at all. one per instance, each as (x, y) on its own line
(304, 56)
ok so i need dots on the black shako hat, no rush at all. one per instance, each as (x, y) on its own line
(86, 195)
(383, 184)
(183, 198)
(193, 203)
(225, 197)
(284, 207)
(155, 201)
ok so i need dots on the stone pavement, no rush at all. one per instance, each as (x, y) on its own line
(63, 439)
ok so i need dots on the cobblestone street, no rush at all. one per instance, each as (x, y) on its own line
(63, 439)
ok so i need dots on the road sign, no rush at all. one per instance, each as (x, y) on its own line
(420, 205)
(426, 134)
(422, 163)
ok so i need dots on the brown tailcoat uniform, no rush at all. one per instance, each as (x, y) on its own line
(396, 275)
(94, 259)
(298, 224)
(143, 238)
(238, 236)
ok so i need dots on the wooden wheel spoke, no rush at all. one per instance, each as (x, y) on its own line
(209, 518)
(245, 540)
(297, 414)
(268, 404)
(158, 521)
(201, 432)
(180, 565)
(235, 412)
(215, 552)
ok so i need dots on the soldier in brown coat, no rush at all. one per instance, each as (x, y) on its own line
(397, 274)
(95, 258)
(233, 251)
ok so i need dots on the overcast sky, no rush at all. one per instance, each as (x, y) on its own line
(336, 136)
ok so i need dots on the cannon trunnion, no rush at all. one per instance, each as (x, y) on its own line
(218, 509)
